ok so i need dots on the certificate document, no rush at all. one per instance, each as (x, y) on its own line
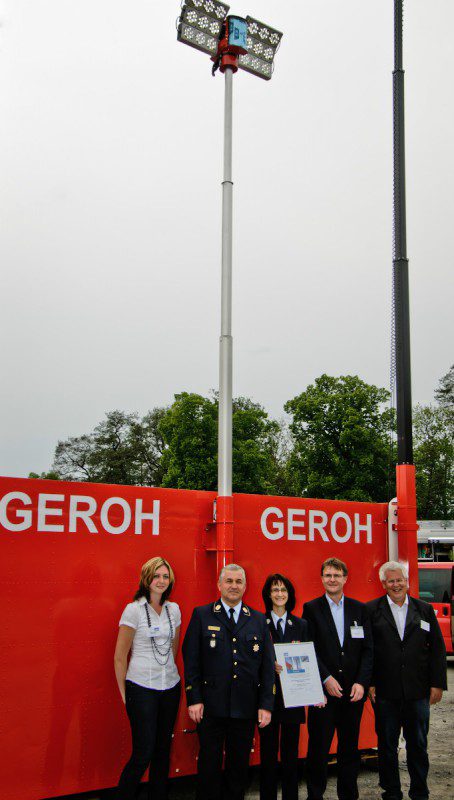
(300, 678)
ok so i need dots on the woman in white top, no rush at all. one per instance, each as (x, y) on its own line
(150, 684)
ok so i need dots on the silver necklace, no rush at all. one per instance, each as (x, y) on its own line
(157, 652)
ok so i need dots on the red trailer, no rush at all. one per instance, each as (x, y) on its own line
(71, 555)
(436, 586)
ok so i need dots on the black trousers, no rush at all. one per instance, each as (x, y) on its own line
(152, 715)
(344, 717)
(269, 748)
(216, 735)
(413, 717)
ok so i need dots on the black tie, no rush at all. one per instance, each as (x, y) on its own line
(280, 630)
(232, 618)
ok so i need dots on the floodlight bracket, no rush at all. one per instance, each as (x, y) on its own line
(232, 43)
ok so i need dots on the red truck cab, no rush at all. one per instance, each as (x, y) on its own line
(436, 588)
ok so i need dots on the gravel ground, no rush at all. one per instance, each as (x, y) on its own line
(441, 775)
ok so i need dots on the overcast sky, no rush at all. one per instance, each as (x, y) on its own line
(111, 163)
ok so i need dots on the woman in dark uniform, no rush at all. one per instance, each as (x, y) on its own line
(279, 599)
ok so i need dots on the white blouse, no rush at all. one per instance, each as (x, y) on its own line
(143, 667)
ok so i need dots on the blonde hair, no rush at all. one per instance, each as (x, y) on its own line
(147, 574)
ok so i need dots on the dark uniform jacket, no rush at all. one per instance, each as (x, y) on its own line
(351, 663)
(406, 669)
(296, 630)
(230, 671)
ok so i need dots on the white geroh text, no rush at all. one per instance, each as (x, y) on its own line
(53, 514)
(301, 525)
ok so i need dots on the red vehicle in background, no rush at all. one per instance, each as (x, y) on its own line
(436, 588)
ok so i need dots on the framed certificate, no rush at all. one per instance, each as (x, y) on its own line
(300, 678)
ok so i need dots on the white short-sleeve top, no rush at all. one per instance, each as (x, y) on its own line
(143, 667)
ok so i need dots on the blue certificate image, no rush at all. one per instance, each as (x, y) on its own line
(295, 663)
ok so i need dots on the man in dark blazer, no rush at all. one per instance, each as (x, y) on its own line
(229, 676)
(409, 675)
(283, 732)
(340, 630)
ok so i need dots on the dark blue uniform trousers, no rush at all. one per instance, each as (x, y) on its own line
(269, 748)
(215, 735)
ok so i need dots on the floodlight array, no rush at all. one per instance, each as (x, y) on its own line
(203, 22)
(197, 39)
(211, 7)
(200, 24)
(262, 43)
(256, 66)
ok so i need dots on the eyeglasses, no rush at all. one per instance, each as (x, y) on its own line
(278, 590)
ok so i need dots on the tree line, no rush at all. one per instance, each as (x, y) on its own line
(337, 443)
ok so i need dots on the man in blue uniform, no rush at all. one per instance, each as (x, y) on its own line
(229, 675)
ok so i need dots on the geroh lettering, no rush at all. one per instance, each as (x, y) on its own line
(54, 514)
(300, 526)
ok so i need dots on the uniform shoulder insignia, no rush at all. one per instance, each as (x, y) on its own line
(188, 688)
(246, 611)
(274, 688)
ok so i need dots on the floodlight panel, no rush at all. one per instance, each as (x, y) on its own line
(256, 66)
(262, 42)
(198, 39)
(263, 33)
(203, 22)
(212, 7)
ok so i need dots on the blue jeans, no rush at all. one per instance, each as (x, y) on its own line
(413, 717)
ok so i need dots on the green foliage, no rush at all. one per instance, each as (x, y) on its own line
(45, 476)
(433, 430)
(336, 446)
(189, 429)
(445, 392)
(122, 449)
(340, 434)
(256, 441)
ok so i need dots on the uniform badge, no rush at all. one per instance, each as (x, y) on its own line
(218, 607)
(256, 647)
(268, 621)
(289, 622)
(246, 611)
(214, 627)
(274, 688)
(212, 642)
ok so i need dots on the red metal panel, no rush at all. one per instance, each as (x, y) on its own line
(64, 729)
(307, 532)
(66, 579)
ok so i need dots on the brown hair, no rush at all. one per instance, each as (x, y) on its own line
(271, 581)
(147, 574)
(336, 563)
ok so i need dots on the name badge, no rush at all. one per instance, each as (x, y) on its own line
(153, 631)
(357, 632)
(425, 625)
